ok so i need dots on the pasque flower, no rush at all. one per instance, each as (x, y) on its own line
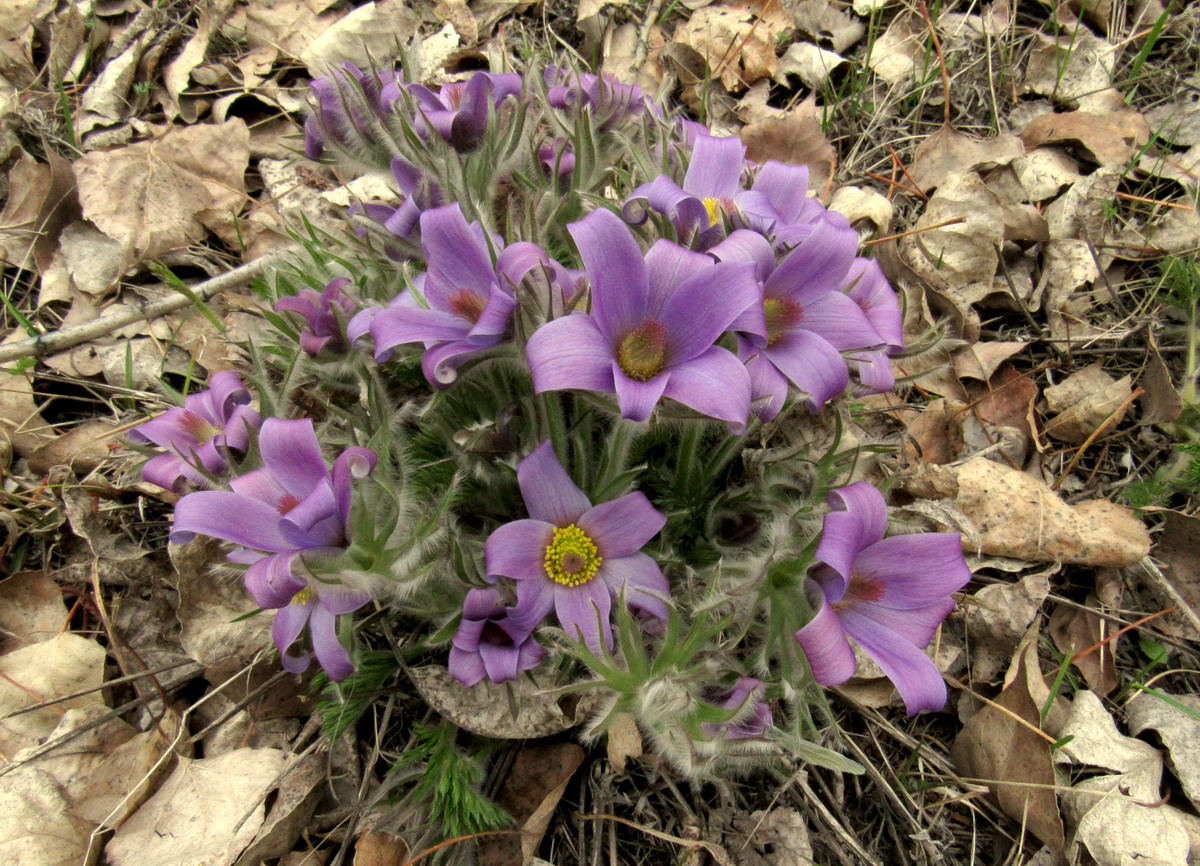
(285, 517)
(420, 194)
(198, 435)
(610, 101)
(754, 717)
(490, 643)
(325, 314)
(889, 594)
(470, 300)
(458, 111)
(575, 558)
(870, 290)
(652, 326)
(342, 100)
(804, 322)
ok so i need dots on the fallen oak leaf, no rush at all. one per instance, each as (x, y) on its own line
(1111, 139)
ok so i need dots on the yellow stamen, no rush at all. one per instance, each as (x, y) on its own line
(304, 596)
(715, 211)
(571, 557)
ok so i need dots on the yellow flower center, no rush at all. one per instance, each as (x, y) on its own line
(571, 557)
(715, 210)
(642, 354)
(304, 596)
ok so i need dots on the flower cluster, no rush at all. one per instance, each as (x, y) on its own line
(600, 345)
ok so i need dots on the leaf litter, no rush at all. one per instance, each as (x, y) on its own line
(1012, 220)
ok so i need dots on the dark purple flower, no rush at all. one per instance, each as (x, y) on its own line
(342, 99)
(490, 643)
(889, 594)
(470, 300)
(325, 314)
(609, 101)
(459, 111)
(575, 558)
(804, 322)
(754, 713)
(290, 514)
(557, 159)
(652, 326)
(198, 435)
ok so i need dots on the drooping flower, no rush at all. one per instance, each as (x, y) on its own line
(804, 322)
(652, 326)
(609, 101)
(325, 314)
(557, 159)
(889, 594)
(420, 195)
(575, 558)
(198, 435)
(459, 111)
(286, 517)
(343, 100)
(754, 716)
(470, 300)
(490, 643)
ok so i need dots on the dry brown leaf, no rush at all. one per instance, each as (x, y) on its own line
(288, 26)
(1177, 547)
(737, 40)
(995, 748)
(1075, 630)
(379, 848)
(63, 665)
(961, 258)
(31, 610)
(949, 151)
(810, 64)
(1017, 515)
(41, 201)
(177, 73)
(1161, 403)
(1119, 818)
(83, 448)
(161, 195)
(860, 205)
(1086, 402)
(36, 824)
(824, 22)
(205, 814)
(370, 34)
(623, 740)
(893, 57)
(1075, 70)
(93, 261)
(108, 101)
(935, 434)
(774, 837)
(1179, 121)
(793, 136)
(1179, 731)
(1112, 139)
(522, 710)
(982, 360)
(530, 793)
(1044, 171)
(996, 618)
(292, 807)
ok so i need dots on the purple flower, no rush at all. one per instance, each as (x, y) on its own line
(459, 111)
(470, 300)
(286, 516)
(609, 101)
(889, 594)
(652, 327)
(325, 314)
(338, 118)
(557, 159)
(420, 195)
(754, 714)
(804, 322)
(573, 557)
(869, 288)
(198, 435)
(489, 643)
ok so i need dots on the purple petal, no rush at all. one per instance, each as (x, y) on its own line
(747, 246)
(614, 264)
(875, 297)
(715, 170)
(497, 315)
(535, 599)
(466, 667)
(329, 651)
(915, 570)
(715, 384)
(916, 625)
(518, 549)
(811, 364)
(457, 255)
(816, 266)
(230, 517)
(874, 370)
(289, 622)
(271, 583)
(480, 604)
(768, 387)
(786, 188)
(166, 470)
(824, 643)
(638, 576)
(583, 612)
(859, 521)
(914, 674)
(338, 598)
(668, 265)
(570, 353)
(638, 399)
(865, 502)
(548, 490)
(395, 326)
(703, 307)
(530, 654)
(352, 463)
(623, 526)
(292, 454)
(840, 322)
(440, 363)
(499, 662)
